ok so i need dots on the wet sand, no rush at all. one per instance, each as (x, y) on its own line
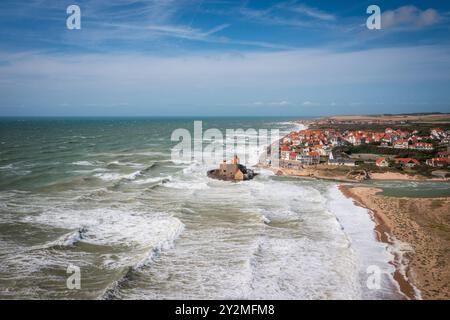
(424, 224)
(403, 176)
(312, 172)
(334, 173)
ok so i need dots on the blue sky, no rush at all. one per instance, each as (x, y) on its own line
(219, 57)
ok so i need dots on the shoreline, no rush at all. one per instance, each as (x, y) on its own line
(315, 172)
(411, 222)
(305, 173)
(383, 232)
(417, 260)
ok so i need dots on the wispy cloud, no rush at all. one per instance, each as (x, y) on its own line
(310, 103)
(128, 22)
(293, 68)
(309, 78)
(289, 13)
(186, 32)
(281, 103)
(313, 12)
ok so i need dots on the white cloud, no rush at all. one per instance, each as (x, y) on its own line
(282, 103)
(289, 14)
(314, 13)
(273, 79)
(186, 32)
(309, 103)
(249, 69)
(410, 17)
(141, 21)
(118, 31)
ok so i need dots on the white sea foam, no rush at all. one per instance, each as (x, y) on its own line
(71, 238)
(360, 230)
(133, 175)
(114, 176)
(178, 161)
(83, 163)
(93, 194)
(193, 178)
(16, 168)
(130, 154)
(187, 185)
(153, 180)
(126, 164)
(287, 268)
(146, 235)
(294, 248)
(109, 176)
(400, 251)
(265, 219)
(111, 226)
(310, 259)
(68, 239)
(266, 238)
(138, 239)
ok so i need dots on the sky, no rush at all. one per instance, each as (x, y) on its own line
(223, 58)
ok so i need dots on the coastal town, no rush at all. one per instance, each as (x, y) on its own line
(410, 147)
(367, 148)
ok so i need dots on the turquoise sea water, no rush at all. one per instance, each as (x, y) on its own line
(412, 189)
(103, 194)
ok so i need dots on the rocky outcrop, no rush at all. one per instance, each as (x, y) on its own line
(358, 175)
(237, 172)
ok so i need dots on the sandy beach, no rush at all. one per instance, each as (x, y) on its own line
(337, 174)
(402, 176)
(312, 172)
(326, 172)
(421, 226)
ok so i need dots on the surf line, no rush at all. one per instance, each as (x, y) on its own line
(187, 310)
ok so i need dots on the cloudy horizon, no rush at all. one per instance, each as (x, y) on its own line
(169, 58)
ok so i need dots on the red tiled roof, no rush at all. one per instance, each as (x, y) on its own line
(423, 144)
(406, 160)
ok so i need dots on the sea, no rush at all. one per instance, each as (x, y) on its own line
(97, 208)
